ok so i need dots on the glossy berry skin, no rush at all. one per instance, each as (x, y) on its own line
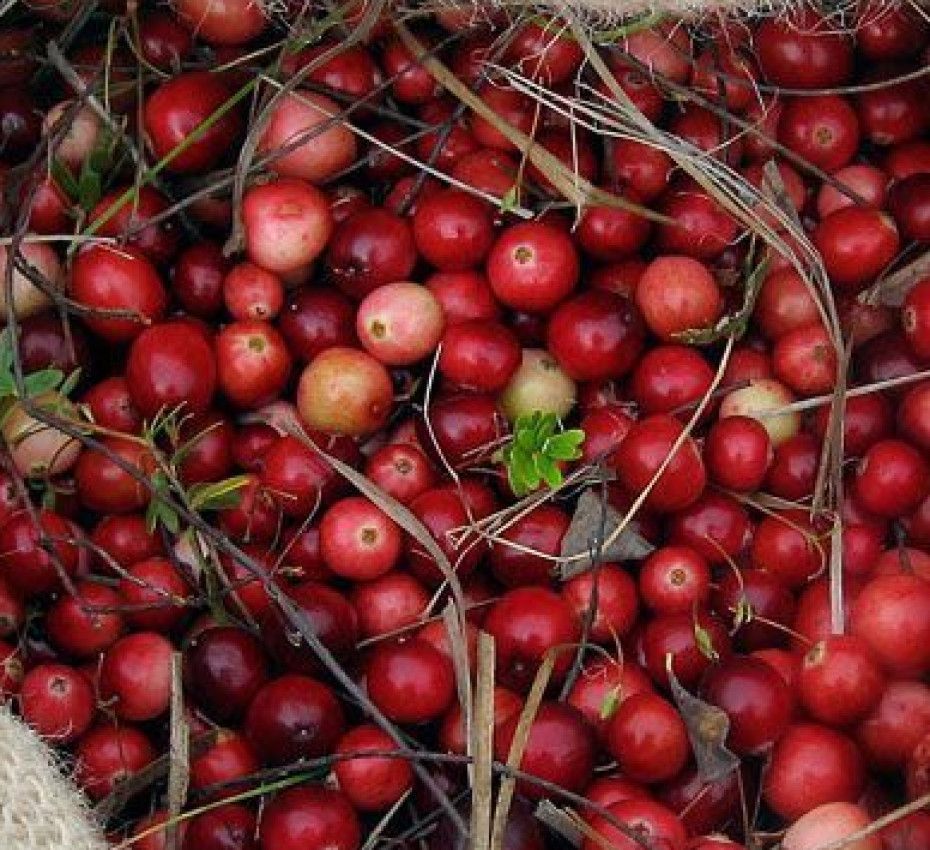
(176, 108)
(108, 754)
(453, 230)
(595, 336)
(309, 816)
(224, 668)
(915, 318)
(252, 363)
(358, 540)
(231, 757)
(888, 736)
(135, 676)
(891, 479)
(713, 523)
(559, 749)
(754, 697)
(655, 823)
(410, 682)
(153, 594)
(230, 827)
(787, 545)
(772, 604)
(674, 579)
(315, 319)
(811, 765)
(643, 451)
(345, 391)
(464, 429)
(648, 738)
(293, 717)
(674, 634)
(526, 623)
(677, 294)
(840, 681)
(402, 471)
(85, 623)
(371, 784)
(670, 379)
(617, 605)
(856, 245)
(891, 615)
(170, 365)
(103, 278)
(287, 224)
(479, 355)
(823, 129)
(738, 453)
(370, 249)
(532, 267)
(803, 51)
(57, 701)
(24, 562)
(513, 559)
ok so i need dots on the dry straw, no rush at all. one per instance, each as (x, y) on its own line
(40, 809)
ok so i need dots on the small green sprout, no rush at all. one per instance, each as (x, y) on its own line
(534, 451)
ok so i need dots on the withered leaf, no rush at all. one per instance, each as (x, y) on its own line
(708, 727)
(593, 522)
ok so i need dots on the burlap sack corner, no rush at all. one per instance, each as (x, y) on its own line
(40, 809)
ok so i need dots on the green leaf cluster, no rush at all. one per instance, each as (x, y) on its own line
(538, 445)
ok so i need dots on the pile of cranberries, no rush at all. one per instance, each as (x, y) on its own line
(306, 330)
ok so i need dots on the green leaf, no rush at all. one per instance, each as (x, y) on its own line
(565, 446)
(610, 703)
(510, 200)
(62, 175)
(43, 381)
(70, 383)
(218, 495)
(743, 613)
(547, 470)
(705, 643)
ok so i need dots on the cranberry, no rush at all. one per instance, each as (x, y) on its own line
(316, 319)
(153, 594)
(650, 821)
(57, 701)
(909, 203)
(293, 717)
(228, 761)
(402, 471)
(105, 486)
(559, 749)
(358, 540)
(525, 551)
(177, 107)
(25, 562)
(135, 676)
(840, 681)
(811, 765)
(669, 377)
(856, 245)
(822, 129)
(756, 700)
(370, 783)
(388, 604)
(595, 336)
(345, 391)
(643, 451)
(310, 816)
(803, 50)
(465, 429)
(400, 323)
(526, 624)
(788, 546)
(675, 635)
(230, 827)
(617, 605)
(716, 526)
(109, 755)
(369, 249)
(112, 407)
(765, 595)
(677, 294)
(410, 682)
(648, 738)
(738, 453)
(674, 580)
(891, 479)
(103, 278)
(532, 266)
(224, 668)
